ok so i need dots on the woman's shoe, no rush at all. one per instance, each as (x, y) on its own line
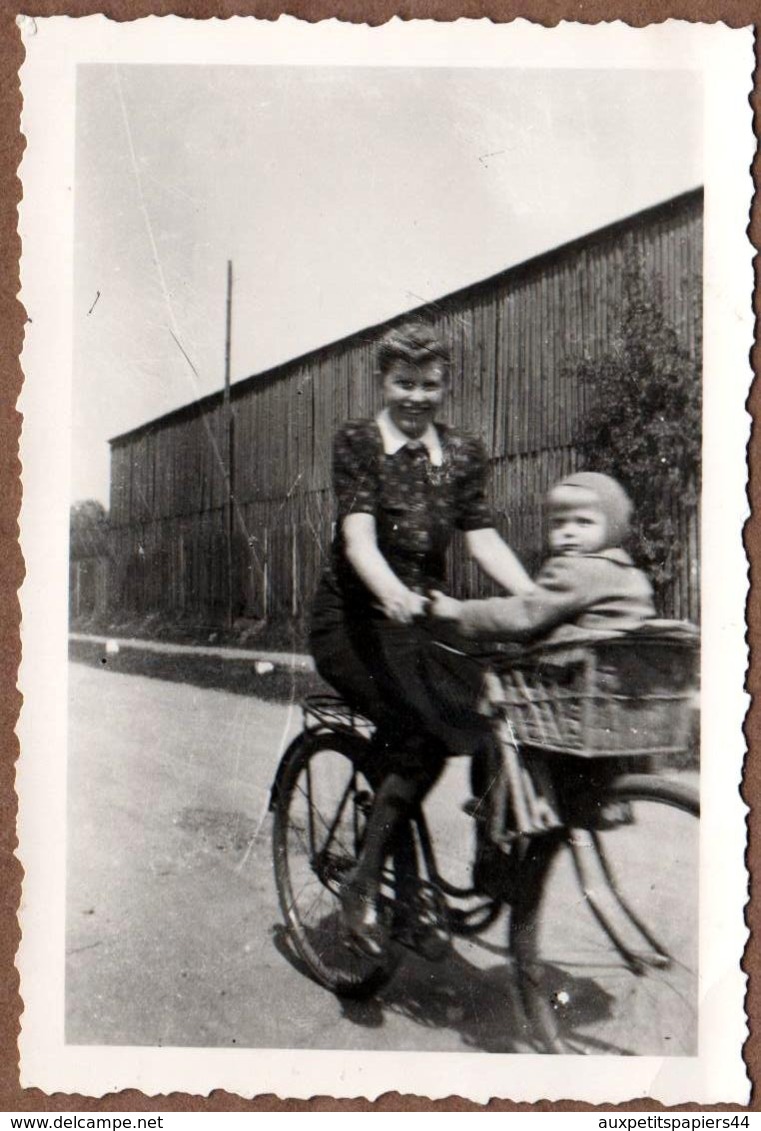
(365, 932)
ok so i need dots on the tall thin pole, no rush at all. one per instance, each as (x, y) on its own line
(228, 430)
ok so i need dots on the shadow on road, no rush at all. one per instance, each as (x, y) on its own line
(284, 947)
(479, 1004)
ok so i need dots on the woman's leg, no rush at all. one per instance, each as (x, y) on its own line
(393, 802)
(411, 775)
(388, 672)
(359, 898)
(333, 644)
(410, 767)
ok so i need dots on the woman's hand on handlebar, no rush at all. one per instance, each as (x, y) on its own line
(404, 605)
(442, 607)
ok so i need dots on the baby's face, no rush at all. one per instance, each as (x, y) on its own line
(577, 529)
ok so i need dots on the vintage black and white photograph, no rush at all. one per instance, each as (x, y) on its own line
(386, 509)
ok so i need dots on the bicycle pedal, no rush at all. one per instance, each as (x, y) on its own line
(421, 924)
(431, 942)
(494, 871)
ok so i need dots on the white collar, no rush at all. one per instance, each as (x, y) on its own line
(394, 439)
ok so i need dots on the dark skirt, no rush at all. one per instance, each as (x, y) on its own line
(415, 682)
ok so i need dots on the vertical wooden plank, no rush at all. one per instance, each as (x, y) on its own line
(510, 342)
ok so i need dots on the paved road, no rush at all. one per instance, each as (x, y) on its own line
(174, 934)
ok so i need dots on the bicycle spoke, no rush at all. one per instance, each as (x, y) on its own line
(329, 828)
(310, 807)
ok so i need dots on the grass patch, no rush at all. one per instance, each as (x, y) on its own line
(245, 633)
(236, 676)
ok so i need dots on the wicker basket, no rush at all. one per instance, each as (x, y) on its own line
(616, 697)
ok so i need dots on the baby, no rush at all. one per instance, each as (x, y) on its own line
(589, 583)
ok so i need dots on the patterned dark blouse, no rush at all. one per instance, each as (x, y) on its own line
(417, 507)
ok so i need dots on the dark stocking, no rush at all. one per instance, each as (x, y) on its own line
(393, 802)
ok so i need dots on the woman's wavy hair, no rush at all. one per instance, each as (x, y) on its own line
(416, 342)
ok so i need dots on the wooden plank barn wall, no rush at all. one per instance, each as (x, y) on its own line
(514, 339)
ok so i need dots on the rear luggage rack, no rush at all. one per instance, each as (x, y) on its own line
(329, 712)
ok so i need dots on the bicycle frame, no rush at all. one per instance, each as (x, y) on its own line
(526, 807)
(523, 806)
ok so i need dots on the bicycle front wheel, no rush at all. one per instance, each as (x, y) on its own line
(604, 932)
(323, 796)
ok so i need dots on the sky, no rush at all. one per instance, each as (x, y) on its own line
(342, 196)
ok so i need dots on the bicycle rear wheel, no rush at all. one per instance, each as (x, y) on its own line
(604, 932)
(323, 795)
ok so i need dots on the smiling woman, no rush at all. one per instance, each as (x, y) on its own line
(404, 484)
(412, 392)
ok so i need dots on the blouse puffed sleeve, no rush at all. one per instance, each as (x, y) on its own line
(473, 510)
(355, 470)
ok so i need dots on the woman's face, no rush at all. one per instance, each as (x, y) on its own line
(413, 393)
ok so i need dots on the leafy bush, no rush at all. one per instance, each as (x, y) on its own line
(643, 420)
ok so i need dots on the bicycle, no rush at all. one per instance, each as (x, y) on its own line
(604, 953)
